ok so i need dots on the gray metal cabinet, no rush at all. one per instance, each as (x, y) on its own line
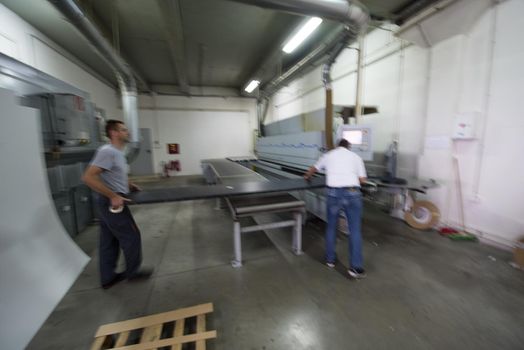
(65, 209)
(83, 207)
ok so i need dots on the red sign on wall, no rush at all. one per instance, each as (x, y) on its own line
(173, 148)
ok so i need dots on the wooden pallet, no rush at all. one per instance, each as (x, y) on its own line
(168, 330)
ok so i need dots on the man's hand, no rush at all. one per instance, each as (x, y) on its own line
(309, 173)
(134, 188)
(118, 201)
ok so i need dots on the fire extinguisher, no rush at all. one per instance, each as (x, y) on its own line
(175, 165)
(165, 169)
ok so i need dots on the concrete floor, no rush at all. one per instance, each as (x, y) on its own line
(422, 291)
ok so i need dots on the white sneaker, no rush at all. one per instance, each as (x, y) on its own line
(357, 272)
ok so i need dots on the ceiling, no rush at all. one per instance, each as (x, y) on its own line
(206, 44)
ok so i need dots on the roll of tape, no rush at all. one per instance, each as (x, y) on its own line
(424, 215)
(116, 210)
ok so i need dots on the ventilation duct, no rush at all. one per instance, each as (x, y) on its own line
(345, 11)
(123, 72)
(350, 13)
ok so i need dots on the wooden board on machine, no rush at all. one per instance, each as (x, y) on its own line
(169, 329)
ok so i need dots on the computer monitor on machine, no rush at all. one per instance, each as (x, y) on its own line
(360, 137)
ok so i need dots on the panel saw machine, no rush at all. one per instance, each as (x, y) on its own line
(289, 156)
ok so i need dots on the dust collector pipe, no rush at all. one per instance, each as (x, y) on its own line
(345, 11)
(352, 14)
(126, 81)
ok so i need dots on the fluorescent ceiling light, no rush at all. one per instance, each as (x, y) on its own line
(251, 86)
(302, 34)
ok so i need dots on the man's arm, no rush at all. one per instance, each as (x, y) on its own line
(310, 172)
(362, 175)
(91, 178)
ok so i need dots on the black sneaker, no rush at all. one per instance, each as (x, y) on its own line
(357, 272)
(141, 274)
(118, 278)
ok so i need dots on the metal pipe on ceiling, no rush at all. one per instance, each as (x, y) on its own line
(345, 11)
(351, 13)
(314, 56)
(123, 72)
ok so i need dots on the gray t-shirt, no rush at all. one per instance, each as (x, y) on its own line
(114, 163)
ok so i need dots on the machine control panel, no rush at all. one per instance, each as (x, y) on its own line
(360, 137)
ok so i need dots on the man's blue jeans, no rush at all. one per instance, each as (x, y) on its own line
(350, 201)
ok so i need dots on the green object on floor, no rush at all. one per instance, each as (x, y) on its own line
(462, 236)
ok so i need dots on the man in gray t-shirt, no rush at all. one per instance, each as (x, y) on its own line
(107, 175)
(113, 162)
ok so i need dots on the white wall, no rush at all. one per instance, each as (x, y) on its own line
(204, 127)
(469, 75)
(23, 42)
(420, 91)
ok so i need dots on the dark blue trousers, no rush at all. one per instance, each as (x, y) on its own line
(117, 231)
(351, 203)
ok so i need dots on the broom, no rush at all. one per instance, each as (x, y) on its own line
(462, 235)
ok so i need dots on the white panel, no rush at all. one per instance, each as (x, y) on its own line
(38, 260)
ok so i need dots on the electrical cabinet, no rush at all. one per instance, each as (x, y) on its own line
(65, 209)
(83, 207)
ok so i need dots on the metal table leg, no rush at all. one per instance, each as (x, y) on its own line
(297, 234)
(237, 245)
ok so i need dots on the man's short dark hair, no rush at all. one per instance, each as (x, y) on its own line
(344, 143)
(112, 124)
